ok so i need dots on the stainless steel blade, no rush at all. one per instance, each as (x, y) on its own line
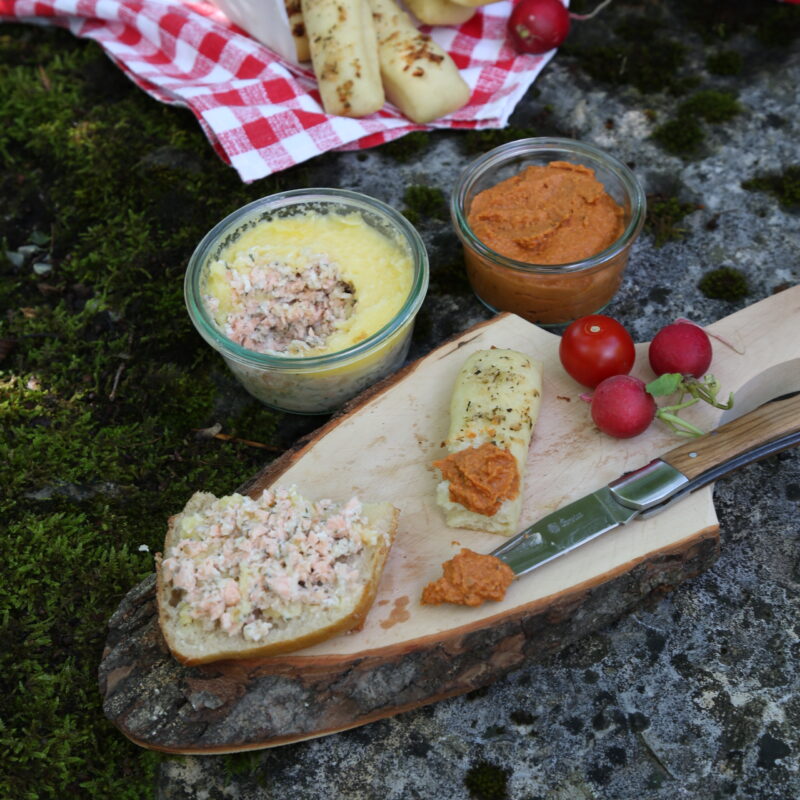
(564, 530)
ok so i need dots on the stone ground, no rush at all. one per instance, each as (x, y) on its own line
(698, 695)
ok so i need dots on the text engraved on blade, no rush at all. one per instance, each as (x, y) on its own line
(555, 527)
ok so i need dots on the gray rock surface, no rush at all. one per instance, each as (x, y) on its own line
(698, 695)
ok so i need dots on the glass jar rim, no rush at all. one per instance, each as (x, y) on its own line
(297, 197)
(520, 147)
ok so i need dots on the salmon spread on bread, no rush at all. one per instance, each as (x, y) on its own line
(267, 571)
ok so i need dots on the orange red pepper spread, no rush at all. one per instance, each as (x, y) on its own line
(469, 579)
(481, 478)
(553, 214)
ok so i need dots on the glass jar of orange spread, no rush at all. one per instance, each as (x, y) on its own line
(547, 226)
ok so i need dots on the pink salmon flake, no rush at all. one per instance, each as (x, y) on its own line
(283, 308)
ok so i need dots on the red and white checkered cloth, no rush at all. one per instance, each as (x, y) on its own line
(261, 113)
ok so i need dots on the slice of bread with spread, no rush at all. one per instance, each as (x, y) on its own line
(244, 577)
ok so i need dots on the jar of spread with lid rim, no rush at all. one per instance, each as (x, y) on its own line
(547, 226)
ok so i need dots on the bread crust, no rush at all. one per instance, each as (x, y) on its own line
(382, 516)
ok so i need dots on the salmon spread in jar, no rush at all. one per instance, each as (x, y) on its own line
(308, 295)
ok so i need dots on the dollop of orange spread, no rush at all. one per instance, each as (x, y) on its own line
(469, 579)
(552, 214)
(481, 478)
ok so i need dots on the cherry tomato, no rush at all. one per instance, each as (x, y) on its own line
(536, 26)
(596, 347)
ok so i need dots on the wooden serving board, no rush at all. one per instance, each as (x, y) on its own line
(381, 448)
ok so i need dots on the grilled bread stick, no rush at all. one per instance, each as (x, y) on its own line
(344, 54)
(493, 410)
(419, 77)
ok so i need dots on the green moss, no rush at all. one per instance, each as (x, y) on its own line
(449, 276)
(423, 203)
(481, 141)
(779, 26)
(637, 55)
(710, 105)
(664, 215)
(684, 135)
(247, 764)
(724, 283)
(720, 19)
(486, 781)
(725, 62)
(101, 396)
(785, 186)
(522, 717)
(408, 146)
(680, 137)
(773, 24)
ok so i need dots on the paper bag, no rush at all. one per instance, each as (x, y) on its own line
(268, 21)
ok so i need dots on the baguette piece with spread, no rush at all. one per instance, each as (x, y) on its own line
(243, 577)
(344, 54)
(493, 410)
(419, 77)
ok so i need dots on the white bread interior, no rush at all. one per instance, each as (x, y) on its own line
(192, 643)
(504, 521)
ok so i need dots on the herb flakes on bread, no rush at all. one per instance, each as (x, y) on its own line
(243, 577)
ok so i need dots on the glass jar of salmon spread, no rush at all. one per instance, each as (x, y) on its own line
(547, 225)
(309, 295)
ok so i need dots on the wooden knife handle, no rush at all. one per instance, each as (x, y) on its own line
(767, 423)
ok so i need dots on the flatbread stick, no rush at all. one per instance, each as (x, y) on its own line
(344, 54)
(419, 77)
(493, 410)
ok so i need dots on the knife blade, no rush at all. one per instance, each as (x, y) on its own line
(650, 489)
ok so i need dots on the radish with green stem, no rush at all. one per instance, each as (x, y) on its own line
(623, 406)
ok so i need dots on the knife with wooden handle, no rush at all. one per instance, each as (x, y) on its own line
(649, 490)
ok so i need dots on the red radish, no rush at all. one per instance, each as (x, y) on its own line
(536, 26)
(681, 347)
(621, 407)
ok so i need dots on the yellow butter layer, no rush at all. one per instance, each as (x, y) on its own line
(379, 268)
